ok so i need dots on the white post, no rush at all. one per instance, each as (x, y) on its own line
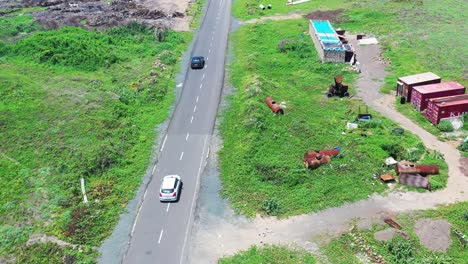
(83, 190)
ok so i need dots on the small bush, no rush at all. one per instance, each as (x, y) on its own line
(3, 48)
(69, 47)
(463, 146)
(13, 26)
(445, 126)
(300, 47)
(11, 236)
(271, 207)
(402, 250)
(414, 154)
(395, 150)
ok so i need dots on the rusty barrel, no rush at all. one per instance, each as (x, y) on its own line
(277, 109)
(418, 169)
(328, 152)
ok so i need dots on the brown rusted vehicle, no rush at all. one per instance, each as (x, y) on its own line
(338, 88)
(276, 108)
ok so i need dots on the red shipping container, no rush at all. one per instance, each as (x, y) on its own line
(406, 84)
(422, 94)
(446, 107)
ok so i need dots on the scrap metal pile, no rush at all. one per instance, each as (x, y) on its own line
(314, 159)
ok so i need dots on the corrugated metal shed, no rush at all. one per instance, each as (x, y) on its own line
(446, 107)
(422, 94)
(418, 78)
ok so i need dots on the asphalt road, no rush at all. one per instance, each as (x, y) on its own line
(161, 230)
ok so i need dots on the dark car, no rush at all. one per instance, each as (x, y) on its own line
(198, 62)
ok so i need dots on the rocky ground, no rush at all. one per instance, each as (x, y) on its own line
(95, 14)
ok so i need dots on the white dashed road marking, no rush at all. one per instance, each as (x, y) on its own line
(191, 120)
(181, 155)
(197, 99)
(167, 209)
(186, 137)
(195, 109)
(164, 142)
(160, 236)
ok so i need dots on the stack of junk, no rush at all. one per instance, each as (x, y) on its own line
(415, 175)
(338, 88)
(314, 159)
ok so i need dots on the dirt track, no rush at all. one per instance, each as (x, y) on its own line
(218, 234)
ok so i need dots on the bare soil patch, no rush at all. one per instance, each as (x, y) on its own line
(335, 16)
(434, 234)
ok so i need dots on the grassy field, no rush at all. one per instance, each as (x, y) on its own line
(270, 254)
(249, 9)
(74, 104)
(261, 162)
(399, 250)
(416, 36)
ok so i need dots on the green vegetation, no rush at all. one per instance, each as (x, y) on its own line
(12, 26)
(261, 162)
(248, 9)
(270, 254)
(402, 29)
(402, 250)
(196, 12)
(445, 126)
(77, 104)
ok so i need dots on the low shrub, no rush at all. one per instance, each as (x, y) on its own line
(402, 250)
(302, 48)
(463, 146)
(3, 48)
(445, 126)
(395, 150)
(69, 46)
(272, 207)
(14, 25)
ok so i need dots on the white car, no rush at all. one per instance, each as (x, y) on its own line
(170, 188)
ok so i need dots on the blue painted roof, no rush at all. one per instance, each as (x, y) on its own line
(327, 35)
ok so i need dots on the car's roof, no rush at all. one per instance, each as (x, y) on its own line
(169, 181)
(197, 57)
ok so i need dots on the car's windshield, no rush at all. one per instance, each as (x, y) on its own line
(167, 190)
(195, 59)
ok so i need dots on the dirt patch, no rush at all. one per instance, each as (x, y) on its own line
(433, 234)
(41, 238)
(275, 17)
(335, 16)
(96, 14)
(384, 235)
(464, 166)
